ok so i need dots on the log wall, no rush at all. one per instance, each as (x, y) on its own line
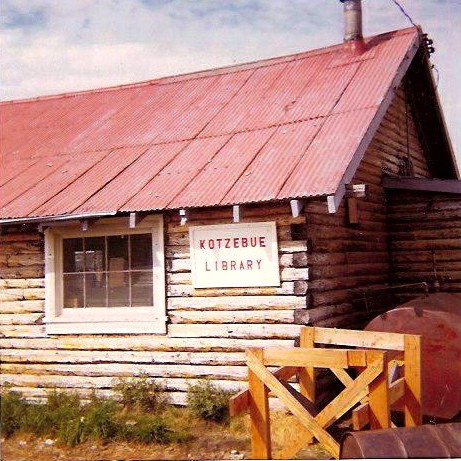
(208, 329)
(350, 269)
(425, 232)
(333, 273)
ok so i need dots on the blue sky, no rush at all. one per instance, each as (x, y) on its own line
(55, 46)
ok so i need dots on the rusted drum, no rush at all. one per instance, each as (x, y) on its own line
(437, 318)
(430, 441)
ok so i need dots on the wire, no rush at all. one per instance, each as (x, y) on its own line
(404, 12)
(437, 75)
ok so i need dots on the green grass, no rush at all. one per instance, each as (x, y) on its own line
(139, 414)
(208, 401)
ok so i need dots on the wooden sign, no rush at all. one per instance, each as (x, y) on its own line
(234, 255)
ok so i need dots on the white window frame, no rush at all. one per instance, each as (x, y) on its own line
(104, 320)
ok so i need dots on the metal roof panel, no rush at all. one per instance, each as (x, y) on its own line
(279, 128)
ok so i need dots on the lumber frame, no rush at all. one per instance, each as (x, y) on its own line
(378, 352)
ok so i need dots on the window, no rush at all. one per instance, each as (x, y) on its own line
(108, 279)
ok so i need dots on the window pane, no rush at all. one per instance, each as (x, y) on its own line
(119, 290)
(73, 255)
(118, 252)
(95, 290)
(94, 254)
(73, 290)
(141, 289)
(141, 251)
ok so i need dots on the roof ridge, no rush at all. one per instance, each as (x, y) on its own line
(198, 74)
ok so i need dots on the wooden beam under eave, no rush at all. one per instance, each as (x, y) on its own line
(135, 219)
(450, 186)
(85, 224)
(236, 213)
(183, 217)
(296, 207)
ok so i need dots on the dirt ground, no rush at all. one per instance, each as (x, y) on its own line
(209, 441)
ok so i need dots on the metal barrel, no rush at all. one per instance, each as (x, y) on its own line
(428, 441)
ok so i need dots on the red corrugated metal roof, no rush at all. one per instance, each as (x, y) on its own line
(282, 128)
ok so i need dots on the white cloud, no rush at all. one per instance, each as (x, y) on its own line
(52, 46)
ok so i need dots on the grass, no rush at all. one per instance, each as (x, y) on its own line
(140, 414)
(207, 401)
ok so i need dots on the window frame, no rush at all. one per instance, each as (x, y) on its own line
(94, 320)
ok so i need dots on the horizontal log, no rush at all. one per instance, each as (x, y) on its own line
(25, 259)
(437, 233)
(22, 272)
(364, 282)
(92, 382)
(143, 343)
(22, 283)
(25, 331)
(294, 273)
(21, 237)
(286, 288)
(22, 307)
(236, 303)
(16, 294)
(245, 316)
(151, 357)
(311, 316)
(128, 370)
(411, 266)
(21, 319)
(234, 331)
(347, 270)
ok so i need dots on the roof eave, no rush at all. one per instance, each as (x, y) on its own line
(334, 200)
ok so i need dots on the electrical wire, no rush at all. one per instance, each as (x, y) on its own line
(402, 9)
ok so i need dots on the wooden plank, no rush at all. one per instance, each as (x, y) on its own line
(304, 357)
(259, 411)
(413, 381)
(294, 406)
(380, 411)
(361, 416)
(307, 374)
(239, 402)
(357, 338)
(343, 376)
(336, 408)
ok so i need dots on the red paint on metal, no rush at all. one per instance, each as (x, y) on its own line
(280, 128)
(437, 317)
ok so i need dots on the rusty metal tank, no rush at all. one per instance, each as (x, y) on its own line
(437, 318)
(428, 441)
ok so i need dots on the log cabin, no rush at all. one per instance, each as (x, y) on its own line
(164, 227)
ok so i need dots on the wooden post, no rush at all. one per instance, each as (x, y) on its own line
(259, 412)
(379, 403)
(307, 375)
(413, 384)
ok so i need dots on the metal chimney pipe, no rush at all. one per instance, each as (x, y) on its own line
(353, 24)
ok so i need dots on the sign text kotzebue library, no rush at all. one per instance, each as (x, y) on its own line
(234, 255)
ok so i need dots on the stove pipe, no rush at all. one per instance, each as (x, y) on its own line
(353, 25)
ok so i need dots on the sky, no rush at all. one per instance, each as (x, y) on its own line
(56, 46)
